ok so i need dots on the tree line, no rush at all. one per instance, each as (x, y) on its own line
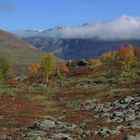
(123, 58)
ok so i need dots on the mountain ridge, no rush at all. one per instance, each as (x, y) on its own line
(73, 49)
(121, 28)
(87, 40)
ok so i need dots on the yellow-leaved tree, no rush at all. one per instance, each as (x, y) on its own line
(95, 63)
(48, 66)
(109, 57)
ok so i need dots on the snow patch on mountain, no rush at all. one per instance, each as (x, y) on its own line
(121, 28)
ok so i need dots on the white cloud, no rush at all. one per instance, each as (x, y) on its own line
(123, 27)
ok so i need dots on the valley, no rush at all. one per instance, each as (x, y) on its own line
(89, 103)
(69, 70)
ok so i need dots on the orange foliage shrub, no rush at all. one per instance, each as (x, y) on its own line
(128, 56)
(127, 51)
(64, 69)
(33, 70)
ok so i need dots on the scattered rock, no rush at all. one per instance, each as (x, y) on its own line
(124, 110)
(137, 137)
(58, 130)
(6, 137)
(135, 124)
(86, 84)
(43, 125)
(61, 136)
(129, 99)
(104, 132)
(37, 135)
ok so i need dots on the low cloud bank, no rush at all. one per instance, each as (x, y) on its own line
(123, 27)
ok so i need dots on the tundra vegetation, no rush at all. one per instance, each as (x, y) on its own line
(89, 99)
(5, 69)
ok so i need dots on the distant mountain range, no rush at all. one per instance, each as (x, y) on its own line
(70, 43)
(69, 48)
(85, 41)
(121, 28)
(73, 49)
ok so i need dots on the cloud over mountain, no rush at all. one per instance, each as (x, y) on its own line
(123, 27)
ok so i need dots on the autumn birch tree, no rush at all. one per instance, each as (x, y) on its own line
(48, 66)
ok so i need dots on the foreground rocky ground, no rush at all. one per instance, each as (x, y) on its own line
(84, 107)
(110, 119)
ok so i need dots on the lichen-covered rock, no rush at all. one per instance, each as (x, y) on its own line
(44, 125)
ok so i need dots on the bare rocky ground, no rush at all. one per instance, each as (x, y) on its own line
(109, 119)
(85, 110)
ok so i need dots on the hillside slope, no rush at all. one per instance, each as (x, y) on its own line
(17, 50)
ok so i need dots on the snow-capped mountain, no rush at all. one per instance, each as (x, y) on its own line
(37, 32)
(121, 28)
(56, 28)
(27, 33)
(87, 40)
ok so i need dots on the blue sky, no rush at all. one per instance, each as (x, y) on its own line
(43, 14)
